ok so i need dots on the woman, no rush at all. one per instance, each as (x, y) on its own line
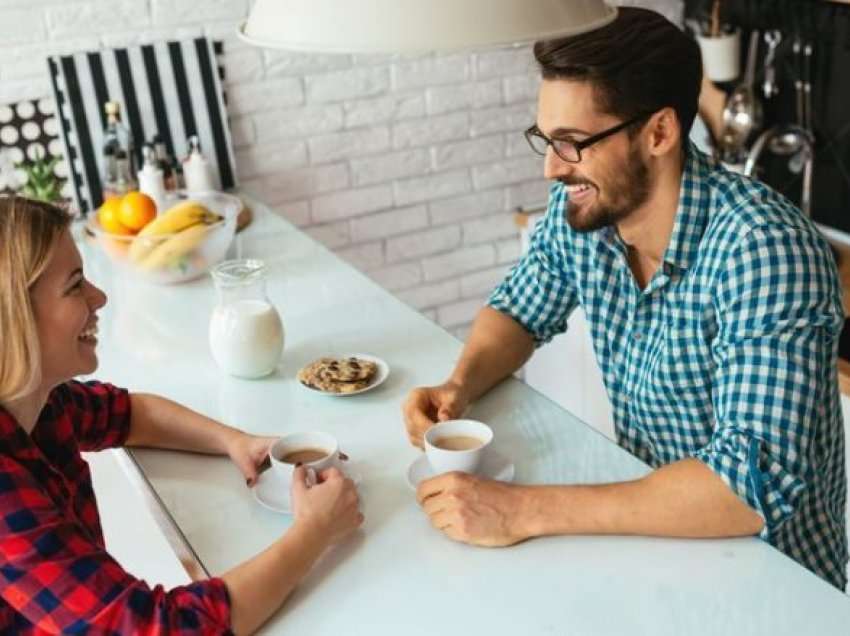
(55, 574)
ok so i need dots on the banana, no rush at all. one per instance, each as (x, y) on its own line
(176, 219)
(172, 249)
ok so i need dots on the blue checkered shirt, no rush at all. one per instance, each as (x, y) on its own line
(728, 355)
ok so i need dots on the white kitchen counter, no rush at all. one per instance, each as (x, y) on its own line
(400, 576)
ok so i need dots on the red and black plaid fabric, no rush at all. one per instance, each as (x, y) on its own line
(55, 574)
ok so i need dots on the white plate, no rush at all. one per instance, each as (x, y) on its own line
(495, 466)
(380, 375)
(270, 492)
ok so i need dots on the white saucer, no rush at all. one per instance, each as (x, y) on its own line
(270, 493)
(380, 375)
(495, 466)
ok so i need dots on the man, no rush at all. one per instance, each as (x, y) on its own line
(714, 308)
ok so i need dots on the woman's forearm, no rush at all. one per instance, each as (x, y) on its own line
(160, 423)
(259, 586)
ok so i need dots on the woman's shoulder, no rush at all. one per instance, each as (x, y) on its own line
(79, 392)
(81, 400)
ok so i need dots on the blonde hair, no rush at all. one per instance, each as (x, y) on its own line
(29, 230)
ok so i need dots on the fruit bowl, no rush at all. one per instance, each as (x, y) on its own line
(190, 236)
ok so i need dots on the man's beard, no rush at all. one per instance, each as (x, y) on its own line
(628, 188)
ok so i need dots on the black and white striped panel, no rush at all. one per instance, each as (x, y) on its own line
(170, 88)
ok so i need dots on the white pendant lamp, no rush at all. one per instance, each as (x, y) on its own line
(401, 26)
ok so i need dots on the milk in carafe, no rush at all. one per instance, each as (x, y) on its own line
(246, 333)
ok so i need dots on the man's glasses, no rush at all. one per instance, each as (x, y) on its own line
(567, 149)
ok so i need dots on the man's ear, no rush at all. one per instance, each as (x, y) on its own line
(663, 132)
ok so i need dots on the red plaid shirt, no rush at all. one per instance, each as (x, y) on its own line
(55, 573)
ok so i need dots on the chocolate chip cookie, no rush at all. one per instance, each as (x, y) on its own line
(338, 375)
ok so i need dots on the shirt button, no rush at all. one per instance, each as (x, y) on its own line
(637, 335)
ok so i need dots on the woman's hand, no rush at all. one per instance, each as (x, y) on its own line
(330, 508)
(248, 452)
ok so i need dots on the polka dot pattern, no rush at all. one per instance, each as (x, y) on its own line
(29, 130)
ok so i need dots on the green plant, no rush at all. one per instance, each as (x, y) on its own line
(42, 183)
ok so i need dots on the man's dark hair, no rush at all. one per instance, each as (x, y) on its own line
(639, 63)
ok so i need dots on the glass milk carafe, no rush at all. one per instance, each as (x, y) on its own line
(246, 333)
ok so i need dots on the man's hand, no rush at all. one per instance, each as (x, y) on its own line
(425, 406)
(472, 509)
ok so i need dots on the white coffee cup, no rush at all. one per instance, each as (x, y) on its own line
(295, 442)
(444, 460)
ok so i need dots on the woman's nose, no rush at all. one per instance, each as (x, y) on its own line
(97, 298)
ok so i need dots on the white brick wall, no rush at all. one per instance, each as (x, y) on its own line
(408, 166)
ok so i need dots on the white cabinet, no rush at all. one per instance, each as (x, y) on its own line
(845, 410)
(565, 370)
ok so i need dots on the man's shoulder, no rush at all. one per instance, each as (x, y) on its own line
(742, 210)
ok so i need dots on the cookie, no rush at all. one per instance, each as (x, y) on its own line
(338, 375)
(341, 369)
(330, 386)
(348, 369)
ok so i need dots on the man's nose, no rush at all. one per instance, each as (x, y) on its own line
(554, 167)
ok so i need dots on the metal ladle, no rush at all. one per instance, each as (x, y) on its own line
(805, 151)
(742, 113)
(791, 139)
(800, 159)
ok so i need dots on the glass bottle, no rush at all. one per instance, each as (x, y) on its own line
(118, 166)
(246, 333)
(151, 179)
(165, 163)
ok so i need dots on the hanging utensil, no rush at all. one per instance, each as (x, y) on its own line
(804, 156)
(742, 113)
(791, 140)
(807, 86)
(769, 87)
(805, 151)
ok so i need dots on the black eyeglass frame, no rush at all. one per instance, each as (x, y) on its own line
(534, 131)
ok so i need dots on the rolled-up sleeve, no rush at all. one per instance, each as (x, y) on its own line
(61, 581)
(540, 291)
(779, 314)
(101, 414)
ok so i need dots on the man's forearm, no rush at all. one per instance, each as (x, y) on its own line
(683, 499)
(160, 423)
(497, 346)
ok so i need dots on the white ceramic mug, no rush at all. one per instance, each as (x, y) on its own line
(467, 461)
(721, 56)
(309, 440)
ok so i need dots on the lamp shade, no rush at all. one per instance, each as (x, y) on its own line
(399, 26)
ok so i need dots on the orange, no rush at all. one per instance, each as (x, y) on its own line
(136, 211)
(109, 219)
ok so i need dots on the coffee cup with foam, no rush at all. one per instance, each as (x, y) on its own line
(457, 445)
